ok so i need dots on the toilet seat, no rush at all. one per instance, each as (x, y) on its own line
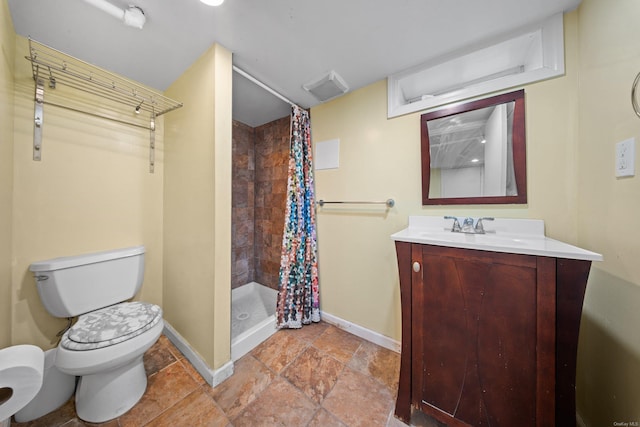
(111, 325)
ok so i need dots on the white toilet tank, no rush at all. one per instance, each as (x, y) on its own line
(74, 285)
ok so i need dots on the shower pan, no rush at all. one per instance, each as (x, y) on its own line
(253, 317)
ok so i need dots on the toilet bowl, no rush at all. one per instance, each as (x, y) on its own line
(105, 347)
(112, 378)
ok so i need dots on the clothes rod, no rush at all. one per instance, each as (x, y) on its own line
(389, 203)
(265, 87)
(100, 116)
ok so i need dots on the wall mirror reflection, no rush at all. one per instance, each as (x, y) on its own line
(475, 153)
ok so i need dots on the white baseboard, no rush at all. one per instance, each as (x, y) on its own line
(212, 377)
(362, 332)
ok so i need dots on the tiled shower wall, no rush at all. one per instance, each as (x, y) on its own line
(242, 205)
(260, 158)
(272, 158)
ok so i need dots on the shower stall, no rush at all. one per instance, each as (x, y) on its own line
(260, 162)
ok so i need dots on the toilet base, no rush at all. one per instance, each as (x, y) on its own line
(107, 395)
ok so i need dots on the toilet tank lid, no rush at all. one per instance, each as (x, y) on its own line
(92, 258)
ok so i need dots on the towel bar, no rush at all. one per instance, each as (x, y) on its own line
(389, 203)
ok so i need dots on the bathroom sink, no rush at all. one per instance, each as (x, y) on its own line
(488, 239)
(519, 236)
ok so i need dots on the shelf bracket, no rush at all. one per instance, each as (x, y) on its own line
(152, 144)
(38, 120)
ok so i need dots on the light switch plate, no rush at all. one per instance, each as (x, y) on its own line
(625, 157)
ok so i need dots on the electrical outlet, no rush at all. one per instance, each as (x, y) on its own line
(626, 157)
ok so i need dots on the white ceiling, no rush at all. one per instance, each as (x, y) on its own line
(283, 43)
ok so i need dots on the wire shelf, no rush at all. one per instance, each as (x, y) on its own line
(55, 67)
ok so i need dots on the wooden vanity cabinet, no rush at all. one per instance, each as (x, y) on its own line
(488, 338)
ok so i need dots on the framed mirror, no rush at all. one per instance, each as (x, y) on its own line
(475, 152)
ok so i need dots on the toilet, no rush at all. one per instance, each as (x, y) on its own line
(106, 345)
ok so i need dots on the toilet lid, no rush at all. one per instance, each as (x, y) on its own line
(111, 325)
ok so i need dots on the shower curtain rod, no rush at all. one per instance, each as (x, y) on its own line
(264, 86)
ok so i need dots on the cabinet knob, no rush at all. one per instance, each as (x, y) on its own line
(416, 266)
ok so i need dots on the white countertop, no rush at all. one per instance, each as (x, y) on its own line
(519, 236)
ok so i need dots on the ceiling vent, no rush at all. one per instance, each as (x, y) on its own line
(327, 87)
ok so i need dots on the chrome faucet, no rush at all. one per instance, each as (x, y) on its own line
(467, 225)
(479, 228)
(456, 225)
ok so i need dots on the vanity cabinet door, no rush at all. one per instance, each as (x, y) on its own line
(475, 355)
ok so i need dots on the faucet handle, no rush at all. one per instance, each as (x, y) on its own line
(479, 229)
(456, 225)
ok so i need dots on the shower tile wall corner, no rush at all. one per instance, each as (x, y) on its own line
(260, 163)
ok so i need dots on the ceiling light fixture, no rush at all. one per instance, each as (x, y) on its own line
(212, 2)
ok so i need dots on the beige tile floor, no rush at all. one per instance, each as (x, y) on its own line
(315, 376)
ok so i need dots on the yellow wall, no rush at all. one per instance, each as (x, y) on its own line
(380, 158)
(7, 47)
(197, 207)
(609, 353)
(92, 191)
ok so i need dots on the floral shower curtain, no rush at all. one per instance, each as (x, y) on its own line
(298, 299)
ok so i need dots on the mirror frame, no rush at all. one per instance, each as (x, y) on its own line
(518, 146)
